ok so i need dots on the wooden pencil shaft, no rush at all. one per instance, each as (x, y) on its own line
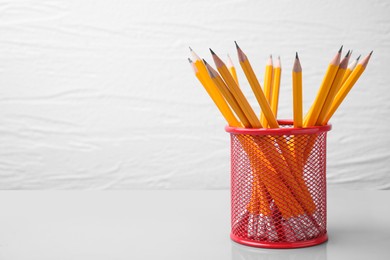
(347, 86)
(257, 90)
(332, 91)
(232, 70)
(229, 97)
(323, 91)
(241, 99)
(267, 89)
(236, 91)
(276, 88)
(217, 98)
(297, 92)
(349, 70)
(297, 99)
(268, 81)
(222, 106)
(343, 92)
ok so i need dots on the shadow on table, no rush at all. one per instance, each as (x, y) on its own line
(241, 252)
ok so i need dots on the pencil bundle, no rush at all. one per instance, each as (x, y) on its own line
(281, 205)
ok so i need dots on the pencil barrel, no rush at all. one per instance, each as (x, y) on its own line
(278, 188)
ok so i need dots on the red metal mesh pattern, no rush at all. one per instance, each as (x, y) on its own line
(278, 187)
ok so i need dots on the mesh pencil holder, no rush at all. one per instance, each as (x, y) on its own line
(278, 186)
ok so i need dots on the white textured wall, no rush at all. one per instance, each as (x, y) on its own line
(99, 94)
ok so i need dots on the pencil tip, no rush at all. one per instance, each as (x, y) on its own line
(189, 60)
(347, 54)
(236, 45)
(341, 48)
(279, 57)
(213, 53)
(296, 55)
(371, 52)
(270, 56)
(190, 48)
(205, 62)
(358, 57)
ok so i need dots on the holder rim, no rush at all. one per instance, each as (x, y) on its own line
(279, 131)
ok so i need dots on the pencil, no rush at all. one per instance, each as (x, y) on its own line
(333, 89)
(350, 68)
(267, 88)
(236, 91)
(347, 86)
(218, 99)
(256, 88)
(200, 66)
(276, 87)
(297, 92)
(311, 118)
(230, 98)
(232, 69)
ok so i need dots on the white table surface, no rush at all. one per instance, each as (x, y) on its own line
(172, 225)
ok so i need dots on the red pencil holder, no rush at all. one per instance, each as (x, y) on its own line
(278, 186)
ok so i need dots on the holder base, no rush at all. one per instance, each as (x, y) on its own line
(280, 245)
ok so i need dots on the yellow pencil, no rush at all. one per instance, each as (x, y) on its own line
(236, 91)
(333, 89)
(312, 116)
(267, 88)
(297, 92)
(232, 69)
(218, 99)
(256, 88)
(229, 96)
(347, 86)
(349, 70)
(200, 66)
(276, 86)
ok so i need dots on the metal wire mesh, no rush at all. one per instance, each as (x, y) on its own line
(278, 187)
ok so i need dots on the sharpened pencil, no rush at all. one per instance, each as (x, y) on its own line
(333, 89)
(312, 116)
(232, 69)
(297, 92)
(347, 86)
(234, 104)
(218, 99)
(236, 91)
(276, 87)
(268, 74)
(350, 68)
(256, 88)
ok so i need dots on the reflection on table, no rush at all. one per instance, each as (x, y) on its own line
(241, 252)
